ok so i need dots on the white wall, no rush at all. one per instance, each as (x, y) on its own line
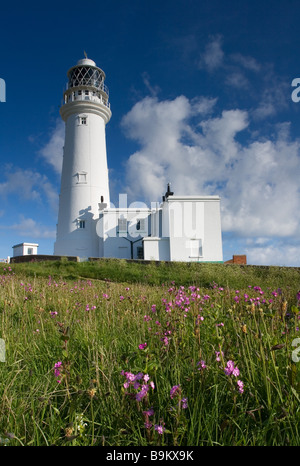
(194, 227)
(156, 249)
(23, 249)
(212, 232)
(84, 179)
(115, 243)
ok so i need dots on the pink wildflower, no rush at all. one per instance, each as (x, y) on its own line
(184, 403)
(231, 370)
(175, 390)
(240, 386)
(218, 355)
(57, 372)
(201, 365)
(159, 428)
(150, 412)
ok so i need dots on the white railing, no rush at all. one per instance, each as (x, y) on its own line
(88, 82)
(92, 98)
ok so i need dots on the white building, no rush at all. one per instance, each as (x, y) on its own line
(186, 228)
(25, 249)
(181, 228)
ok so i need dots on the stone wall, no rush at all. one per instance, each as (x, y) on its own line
(40, 257)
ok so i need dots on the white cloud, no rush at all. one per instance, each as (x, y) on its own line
(257, 180)
(237, 79)
(52, 151)
(274, 254)
(154, 90)
(213, 56)
(236, 71)
(27, 227)
(247, 62)
(203, 105)
(28, 185)
(274, 97)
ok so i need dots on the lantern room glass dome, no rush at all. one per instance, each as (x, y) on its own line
(85, 73)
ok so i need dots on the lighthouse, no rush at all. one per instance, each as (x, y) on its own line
(181, 228)
(84, 180)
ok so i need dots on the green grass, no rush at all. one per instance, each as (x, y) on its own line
(156, 273)
(93, 317)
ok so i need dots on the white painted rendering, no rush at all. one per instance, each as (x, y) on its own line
(84, 180)
(25, 249)
(190, 230)
(156, 248)
(182, 228)
(121, 232)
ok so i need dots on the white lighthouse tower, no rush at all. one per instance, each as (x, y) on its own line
(84, 180)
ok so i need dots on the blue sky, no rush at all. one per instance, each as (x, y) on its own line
(200, 94)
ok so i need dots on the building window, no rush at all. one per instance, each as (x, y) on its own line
(81, 224)
(122, 225)
(81, 177)
(83, 120)
(196, 248)
(140, 252)
(29, 251)
(141, 224)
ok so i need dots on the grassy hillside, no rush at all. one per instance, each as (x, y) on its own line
(115, 353)
(122, 271)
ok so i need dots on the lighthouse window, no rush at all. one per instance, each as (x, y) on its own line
(81, 223)
(83, 120)
(81, 177)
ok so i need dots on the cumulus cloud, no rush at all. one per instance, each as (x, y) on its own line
(52, 151)
(278, 253)
(29, 185)
(27, 227)
(201, 154)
